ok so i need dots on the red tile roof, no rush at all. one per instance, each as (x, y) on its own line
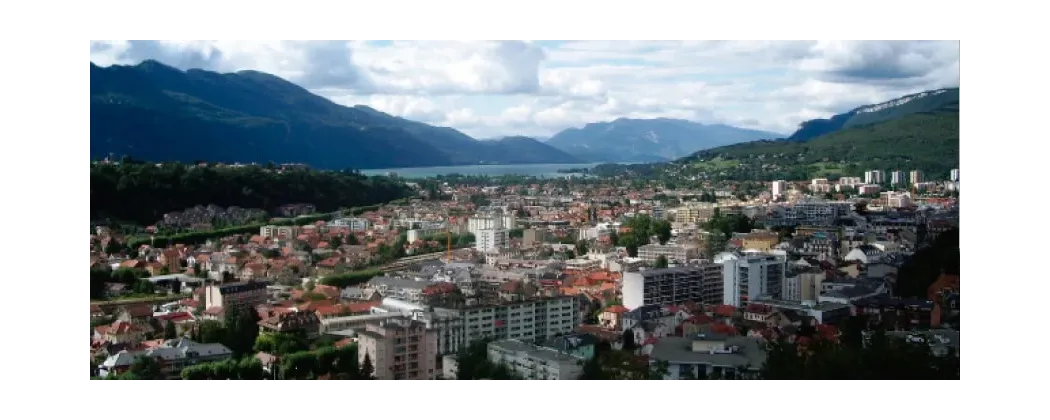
(616, 309)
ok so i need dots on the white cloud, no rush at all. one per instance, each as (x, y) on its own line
(491, 89)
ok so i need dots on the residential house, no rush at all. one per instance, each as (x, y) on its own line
(139, 314)
(173, 356)
(306, 322)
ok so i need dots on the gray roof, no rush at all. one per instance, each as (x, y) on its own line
(179, 348)
(679, 350)
(399, 282)
(570, 342)
(534, 352)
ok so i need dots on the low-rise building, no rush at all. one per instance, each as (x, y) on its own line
(534, 362)
(173, 356)
(709, 355)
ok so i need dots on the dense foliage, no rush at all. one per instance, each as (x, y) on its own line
(855, 357)
(156, 189)
(248, 368)
(920, 271)
(927, 142)
(238, 331)
(160, 113)
(336, 363)
(640, 229)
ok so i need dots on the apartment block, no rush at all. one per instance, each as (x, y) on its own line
(235, 295)
(356, 224)
(954, 175)
(803, 286)
(896, 178)
(399, 349)
(916, 177)
(665, 286)
(693, 214)
(534, 362)
(747, 277)
(779, 188)
(524, 320)
(680, 253)
(274, 231)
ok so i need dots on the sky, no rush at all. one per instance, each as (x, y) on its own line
(537, 88)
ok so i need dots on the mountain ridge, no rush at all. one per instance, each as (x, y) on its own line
(159, 113)
(945, 99)
(641, 140)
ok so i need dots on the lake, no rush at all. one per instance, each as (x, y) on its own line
(547, 170)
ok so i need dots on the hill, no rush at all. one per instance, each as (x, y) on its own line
(158, 113)
(923, 102)
(925, 141)
(634, 140)
(159, 189)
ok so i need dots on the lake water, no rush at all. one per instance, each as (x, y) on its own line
(545, 170)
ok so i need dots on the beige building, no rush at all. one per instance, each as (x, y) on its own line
(680, 253)
(399, 349)
(274, 231)
(694, 214)
(235, 295)
(762, 241)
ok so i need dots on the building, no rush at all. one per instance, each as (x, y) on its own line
(761, 241)
(305, 322)
(578, 345)
(693, 214)
(874, 177)
(869, 189)
(356, 224)
(664, 286)
(533, 237)
(274, 231)
(533, 319)
(173, 355)
(710, 355)
(822, 312)
(750, 276)
(954, 175)
(916, 177)
(779, 188)
(679, 253)
(490, 239)
(808, 213)
(803, 286)
(534, 362)
(896, 178)
(235, 295)
(399, 349)
(897, 199)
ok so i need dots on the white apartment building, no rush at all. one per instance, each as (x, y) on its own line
(916, 177)
(896, 178)
(897, 199)
(679, 253)
(665, 286)
(804, 286)
(779, 188)
(524, 320)
(747, 277)
(874, 177)
(274, 231)
(954, 175)
(534, 362)
(415, 234)
(490, 239)
(356, 224)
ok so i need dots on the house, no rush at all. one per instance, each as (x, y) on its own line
(120, 332)
(173, 356)
(139, 314)
(293, 321)
(709, 355)
(758, 313)
(97, 312)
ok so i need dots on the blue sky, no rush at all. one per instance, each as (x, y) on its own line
(537, 88)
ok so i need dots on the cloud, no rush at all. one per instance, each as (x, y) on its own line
(497, 88)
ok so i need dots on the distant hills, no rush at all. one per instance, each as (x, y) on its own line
(155, 112)
(649, 140)
(918, 131)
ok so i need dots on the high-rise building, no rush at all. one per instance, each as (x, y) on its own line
(399, 349)
(916, 177)
(779, 188)
(490, 229)
(751, 276)
(803, 286)
(955, 175)
(896, 177)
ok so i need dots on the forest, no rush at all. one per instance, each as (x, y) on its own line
(141, 193)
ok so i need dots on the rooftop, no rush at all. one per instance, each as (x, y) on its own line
(679, 350)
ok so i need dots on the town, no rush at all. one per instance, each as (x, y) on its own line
(567, 278)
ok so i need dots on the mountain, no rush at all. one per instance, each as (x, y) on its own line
(155, 112)
(924, 136)
(923, 102)
(631, 140)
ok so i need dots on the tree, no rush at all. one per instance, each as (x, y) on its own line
(661, 262)
(242, 329)
(146, 368)
(716, 242)
(367, 370)
(581, 247)
(628, 340)
(210, 332)
(169, 330)
(662, 230)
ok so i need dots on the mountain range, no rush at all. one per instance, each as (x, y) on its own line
(155, 112)
(650, 140)
(917, 131)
